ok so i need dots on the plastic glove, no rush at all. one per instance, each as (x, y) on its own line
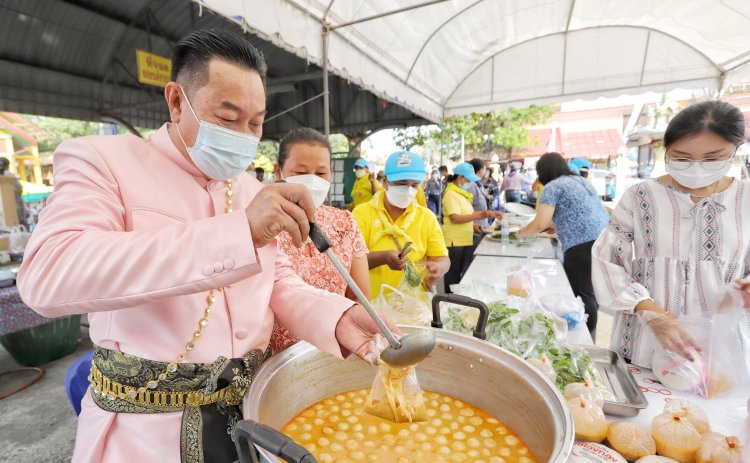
(374, 348)
(358, 333)
(672, 336)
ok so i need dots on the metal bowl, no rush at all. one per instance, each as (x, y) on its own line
(469, 369)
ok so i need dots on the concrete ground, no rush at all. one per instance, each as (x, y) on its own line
(38, 424)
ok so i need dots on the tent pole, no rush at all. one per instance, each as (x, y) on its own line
(326, 111)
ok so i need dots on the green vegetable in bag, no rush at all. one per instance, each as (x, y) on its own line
(412, 275)
(528, 336)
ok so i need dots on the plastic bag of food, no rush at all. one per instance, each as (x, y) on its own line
(630, 440)
(717, 448)
(723, 367)
(727, 356)
(413, 278)
(675, 436)
(404, 308)
(520, 281)
(570, 309)
(396, 395)
(692, 412)
(588, 419)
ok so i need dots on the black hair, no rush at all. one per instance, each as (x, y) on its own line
(193, 52)
(304, 135)
(4, 164)
(718, 117)
(552, 166)
(477, 164)
(259, 170)
(443, 168)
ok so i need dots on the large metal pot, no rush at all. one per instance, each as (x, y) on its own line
(472, 370)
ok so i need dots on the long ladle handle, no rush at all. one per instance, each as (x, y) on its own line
(321, 242)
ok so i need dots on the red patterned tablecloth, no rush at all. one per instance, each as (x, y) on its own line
(15, 315)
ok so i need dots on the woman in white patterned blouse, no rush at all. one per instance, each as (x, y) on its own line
(675, 243)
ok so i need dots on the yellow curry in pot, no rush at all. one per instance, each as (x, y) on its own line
(337, 429)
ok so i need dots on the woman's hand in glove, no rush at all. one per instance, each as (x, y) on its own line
(670, 333)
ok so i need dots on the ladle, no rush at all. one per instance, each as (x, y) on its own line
(410, 349)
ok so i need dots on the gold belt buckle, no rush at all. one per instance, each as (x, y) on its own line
(109, 389)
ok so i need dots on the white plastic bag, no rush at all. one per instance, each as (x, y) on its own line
(571, 309)
(723, 368)
(19, 237)
(404, 308)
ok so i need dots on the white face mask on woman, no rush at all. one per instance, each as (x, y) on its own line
(317, 186)
(697, 175)
(400, 195)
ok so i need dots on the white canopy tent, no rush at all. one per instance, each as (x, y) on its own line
(440, 58)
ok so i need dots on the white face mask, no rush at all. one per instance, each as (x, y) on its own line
(218, 152)
(697, 176)
(318, 187)
(359, 173)
(400, 195)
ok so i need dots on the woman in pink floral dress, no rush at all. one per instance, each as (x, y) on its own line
(305, 158)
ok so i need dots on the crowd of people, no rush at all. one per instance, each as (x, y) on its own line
(187, 274)
(444, 216)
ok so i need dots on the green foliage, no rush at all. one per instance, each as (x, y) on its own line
(420, 135)
(531, 336)
(482, 133)
(60, 129)
(339, 145)
(269, 149)
(268, 154)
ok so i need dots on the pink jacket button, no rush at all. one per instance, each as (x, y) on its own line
(228, 264)
(208, 270)
(218, 267)
(240, 334)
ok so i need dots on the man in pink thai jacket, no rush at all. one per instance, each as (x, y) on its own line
(168, 245)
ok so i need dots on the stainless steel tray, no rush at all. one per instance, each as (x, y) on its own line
(627, 398)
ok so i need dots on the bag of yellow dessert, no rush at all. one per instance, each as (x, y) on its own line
(396, 395)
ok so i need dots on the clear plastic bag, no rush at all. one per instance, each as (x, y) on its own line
(413, 279)
(728, 357)
(520, 282)
(570, 309)
(396, 395)
(19, 237)
(404, 308)
(723, 368)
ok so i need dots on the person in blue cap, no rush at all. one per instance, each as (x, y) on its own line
(392, 218)
(458, 218)
(366, 184)
(580, 166)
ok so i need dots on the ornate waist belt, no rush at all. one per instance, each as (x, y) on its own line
(209, 396)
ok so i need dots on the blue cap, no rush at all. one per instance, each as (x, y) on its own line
(360, 162)
(581, 163)
(574, 168)
(404, 165)
(466, 170)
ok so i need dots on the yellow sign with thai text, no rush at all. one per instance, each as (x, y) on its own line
(153, 69)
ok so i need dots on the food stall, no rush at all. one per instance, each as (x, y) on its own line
(631, 394)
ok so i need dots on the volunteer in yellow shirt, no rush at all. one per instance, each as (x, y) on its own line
(365, 186)
(394, 215)
(458, 218)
